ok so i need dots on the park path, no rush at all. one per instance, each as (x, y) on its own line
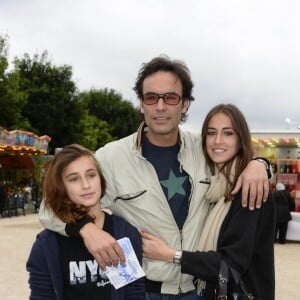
(18, 233)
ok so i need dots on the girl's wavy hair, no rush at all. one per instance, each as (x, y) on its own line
(246, 151)
(54, 191)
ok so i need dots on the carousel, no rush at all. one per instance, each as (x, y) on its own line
(22, 157)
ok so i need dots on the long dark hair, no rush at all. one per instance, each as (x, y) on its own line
(240, 126)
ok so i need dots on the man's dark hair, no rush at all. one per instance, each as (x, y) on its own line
(163, 63)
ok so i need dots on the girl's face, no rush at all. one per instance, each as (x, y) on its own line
(222, 142)
(82, 182)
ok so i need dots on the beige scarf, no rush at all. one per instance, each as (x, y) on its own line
(215, 196)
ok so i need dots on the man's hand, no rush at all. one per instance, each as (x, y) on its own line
(254, 183)
(102, 246)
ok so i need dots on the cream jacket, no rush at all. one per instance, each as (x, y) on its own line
(134, 192)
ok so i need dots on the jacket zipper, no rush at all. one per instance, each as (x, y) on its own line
(180, 275)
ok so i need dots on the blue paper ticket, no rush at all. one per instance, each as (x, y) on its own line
(125, 274)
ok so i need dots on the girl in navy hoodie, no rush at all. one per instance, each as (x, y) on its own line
(61, 267)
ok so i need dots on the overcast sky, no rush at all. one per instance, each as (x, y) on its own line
(246, 52)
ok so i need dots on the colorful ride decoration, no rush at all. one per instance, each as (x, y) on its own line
(19, 142)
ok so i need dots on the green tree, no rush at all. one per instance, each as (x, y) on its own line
(52, 104)
(12, 99)
(96, 133)
(41, 97)
(109, 106)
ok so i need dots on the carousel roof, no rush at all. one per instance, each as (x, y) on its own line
(17, 147)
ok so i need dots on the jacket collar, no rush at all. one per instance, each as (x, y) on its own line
(143, 128)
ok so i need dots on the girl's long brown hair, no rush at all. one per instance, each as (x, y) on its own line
(246, 151)
(54, 191)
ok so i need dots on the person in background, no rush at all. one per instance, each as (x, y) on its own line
(242, 238)
(284, 205)
(155, 180)
(3, 199)
(61, 267)
(34, 188)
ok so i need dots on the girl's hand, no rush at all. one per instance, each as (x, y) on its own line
(155, 248)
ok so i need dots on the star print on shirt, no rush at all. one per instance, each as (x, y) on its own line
(174, 185)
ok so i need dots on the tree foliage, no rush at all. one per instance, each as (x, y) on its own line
(41, 97)
(96, 133)
(52, 105)
(12, 99)
(109, 106)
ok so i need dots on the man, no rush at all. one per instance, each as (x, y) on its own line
(157, 179)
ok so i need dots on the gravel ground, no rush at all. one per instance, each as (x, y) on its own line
(18, 234)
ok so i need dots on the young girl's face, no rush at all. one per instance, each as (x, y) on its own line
(82, 182)
(222, 142)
